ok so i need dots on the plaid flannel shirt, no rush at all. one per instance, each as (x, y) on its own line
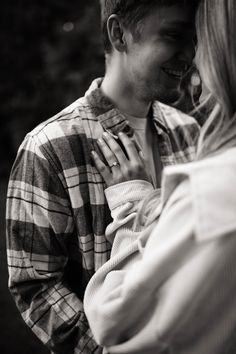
(57, 213)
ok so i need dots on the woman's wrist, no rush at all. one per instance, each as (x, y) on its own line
(128, 191)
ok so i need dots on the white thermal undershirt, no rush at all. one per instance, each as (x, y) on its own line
(147, 141)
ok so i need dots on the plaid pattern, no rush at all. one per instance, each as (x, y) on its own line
(57, 213)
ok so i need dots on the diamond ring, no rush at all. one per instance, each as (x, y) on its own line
(115, 163)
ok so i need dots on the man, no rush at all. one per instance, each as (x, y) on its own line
(56, 209)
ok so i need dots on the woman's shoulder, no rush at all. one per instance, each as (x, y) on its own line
(211, 189)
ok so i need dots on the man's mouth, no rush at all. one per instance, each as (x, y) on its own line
(176, 73)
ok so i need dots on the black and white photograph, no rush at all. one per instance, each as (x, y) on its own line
(117, 172)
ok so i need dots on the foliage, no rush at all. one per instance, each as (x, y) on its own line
(51, 50)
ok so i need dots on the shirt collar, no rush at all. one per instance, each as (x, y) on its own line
(210, 191)
(159, 117)
(111, 118)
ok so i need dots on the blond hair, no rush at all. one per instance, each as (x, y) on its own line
(216, 58)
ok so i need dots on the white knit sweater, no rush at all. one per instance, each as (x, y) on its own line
(171, 288)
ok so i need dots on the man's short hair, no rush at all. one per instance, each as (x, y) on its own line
(132, 12)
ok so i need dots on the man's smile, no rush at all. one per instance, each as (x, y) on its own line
(176, 72)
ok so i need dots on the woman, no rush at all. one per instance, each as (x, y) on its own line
(170, 284)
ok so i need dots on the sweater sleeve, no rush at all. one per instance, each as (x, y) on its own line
(124, 285)
(157, 300)
(125, 200)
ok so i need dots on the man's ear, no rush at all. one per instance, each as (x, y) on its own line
(116, 33)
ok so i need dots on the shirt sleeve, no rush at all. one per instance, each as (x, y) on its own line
(160, 300)
(39, 226)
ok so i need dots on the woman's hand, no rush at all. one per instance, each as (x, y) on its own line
(120, 167)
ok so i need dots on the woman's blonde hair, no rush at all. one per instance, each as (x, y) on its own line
(216, 61)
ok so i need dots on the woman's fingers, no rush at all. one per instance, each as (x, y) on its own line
(115, 149)
(130, 147)
(113, 152)
(102, 168)
(106, 151)
(116, 167)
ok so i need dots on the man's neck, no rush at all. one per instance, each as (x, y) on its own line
(124, 98)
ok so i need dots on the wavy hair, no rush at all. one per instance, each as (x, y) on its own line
(216, 59)
(132, 12)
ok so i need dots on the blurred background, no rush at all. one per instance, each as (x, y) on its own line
(50, 52)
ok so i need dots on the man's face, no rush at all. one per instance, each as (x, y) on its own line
(162, 54)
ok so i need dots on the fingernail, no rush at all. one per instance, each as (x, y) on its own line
(111, 134)
(100, 141)
(141, 154)
(93, 154)
(105, 134)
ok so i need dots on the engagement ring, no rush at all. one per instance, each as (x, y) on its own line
(115, 163)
